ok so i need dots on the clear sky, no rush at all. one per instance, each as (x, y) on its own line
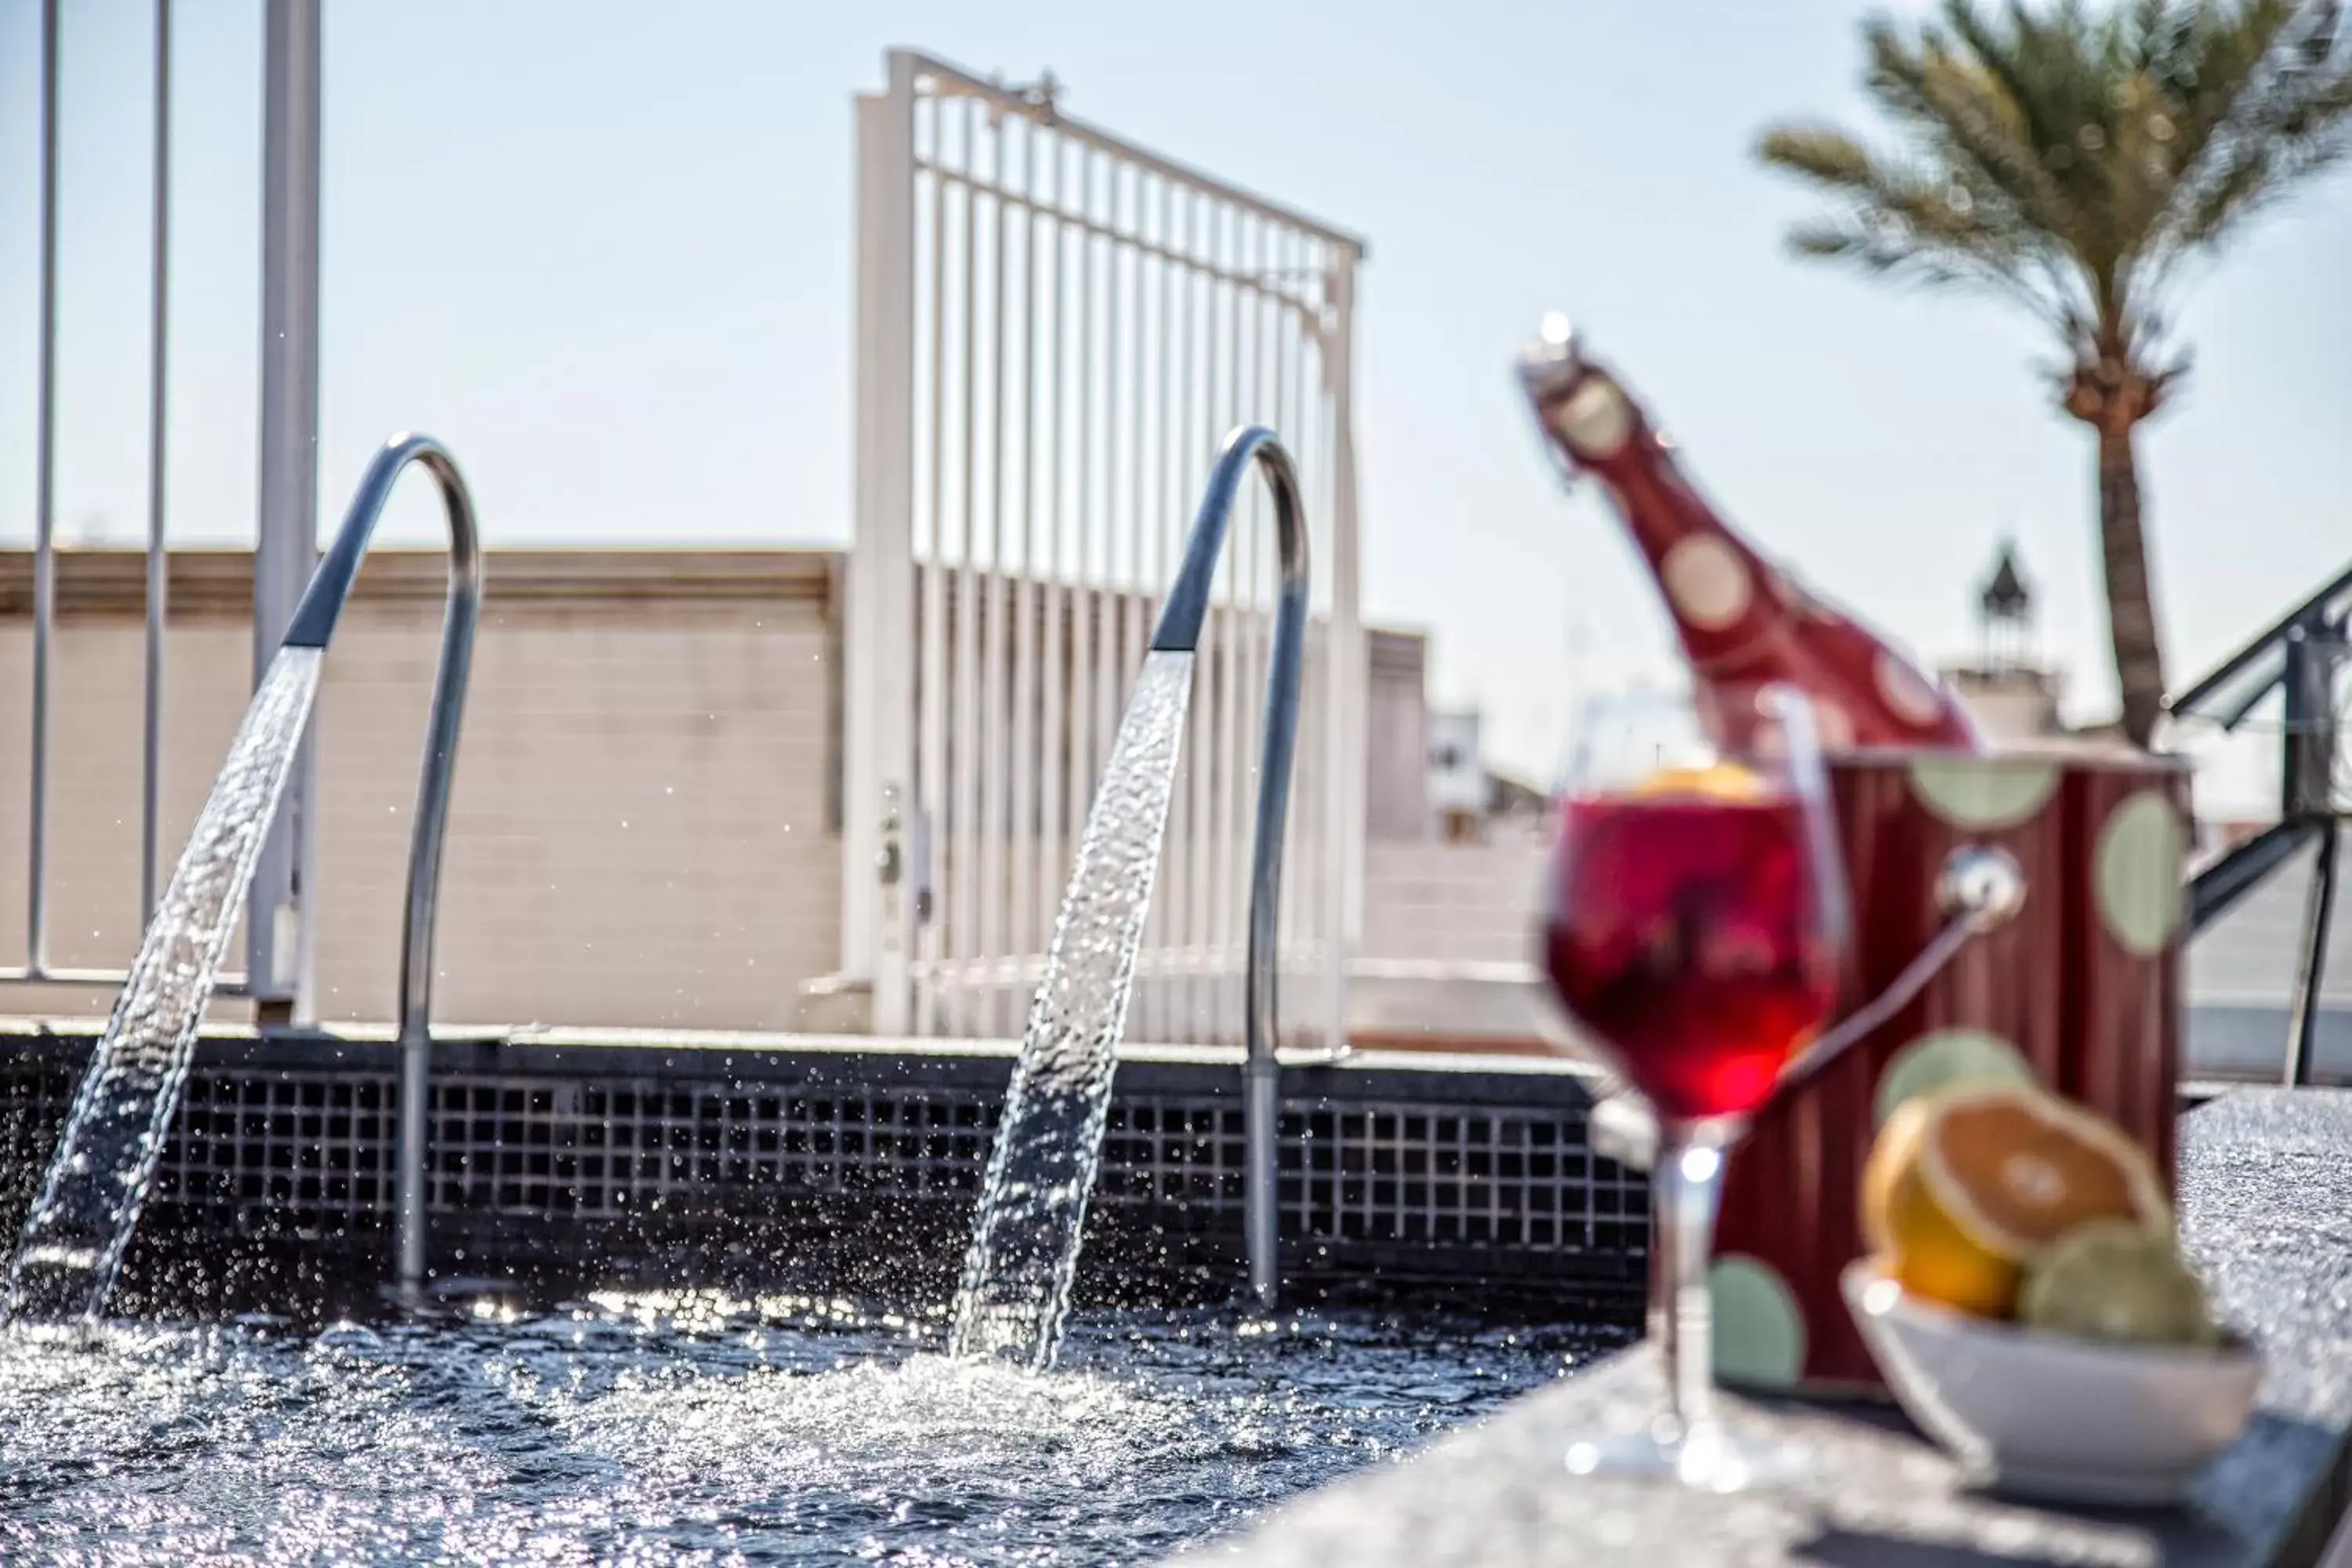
(604, 249)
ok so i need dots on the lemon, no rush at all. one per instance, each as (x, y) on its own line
(2110, 1280)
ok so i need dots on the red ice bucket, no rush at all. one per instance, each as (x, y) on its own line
(2079, 986)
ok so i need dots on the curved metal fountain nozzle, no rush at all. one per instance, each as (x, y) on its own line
(1181, 618)
(1979, 889)
(312, 626)
(1029, 1224)
(73, 1241)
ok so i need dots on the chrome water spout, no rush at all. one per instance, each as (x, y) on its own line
(1181, 619)
(312, 626)
(80, 1226)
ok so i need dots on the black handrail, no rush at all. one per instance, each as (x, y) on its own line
(2228, 692)
(2288, 657)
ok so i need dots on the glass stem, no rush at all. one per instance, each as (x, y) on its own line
(1685, 1185)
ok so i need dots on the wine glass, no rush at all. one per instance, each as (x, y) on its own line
(1692, 928)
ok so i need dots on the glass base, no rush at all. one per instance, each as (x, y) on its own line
(1708, 1457)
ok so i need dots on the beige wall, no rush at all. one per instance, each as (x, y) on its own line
(639, 832)
(643, 831)
(1396, 728)
(1458, 903)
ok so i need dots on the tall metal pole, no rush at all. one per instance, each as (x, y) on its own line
(878, 740)
(2302, 1042)
(151, 794)
(45, 560)
(286, 536)
(1346, 679)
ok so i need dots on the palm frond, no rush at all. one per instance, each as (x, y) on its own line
(2073, 159)
(2286, 117)
(1898, 222)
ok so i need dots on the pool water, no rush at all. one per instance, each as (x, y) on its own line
(698, 1429)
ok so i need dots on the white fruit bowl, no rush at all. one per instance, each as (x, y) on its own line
(2052, 1416)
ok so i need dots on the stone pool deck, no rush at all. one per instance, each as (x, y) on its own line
(2266, 1211)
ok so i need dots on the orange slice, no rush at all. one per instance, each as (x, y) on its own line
(1966, 1188)
(1716, 781)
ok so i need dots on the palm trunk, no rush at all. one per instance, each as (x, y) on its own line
(2131, 604)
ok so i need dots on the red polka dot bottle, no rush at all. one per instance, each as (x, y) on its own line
(1744, 624)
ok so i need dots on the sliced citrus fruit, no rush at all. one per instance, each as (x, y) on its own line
(1896, 1151)
(1716, 781)
(2112, 1280)
(1968, 1185)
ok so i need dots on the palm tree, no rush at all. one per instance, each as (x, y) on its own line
(2076, 164)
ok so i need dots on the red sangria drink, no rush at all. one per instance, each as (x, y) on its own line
(1693, 930)
(1680, 934)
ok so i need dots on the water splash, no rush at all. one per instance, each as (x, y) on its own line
(75, 1236)
(767, 1432)
(1033, 1204)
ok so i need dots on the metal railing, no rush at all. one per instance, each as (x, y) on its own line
(1055, 326)
(313, 625)
(1181, 620)
(279, 926)
(37, 969)
(2303, 656)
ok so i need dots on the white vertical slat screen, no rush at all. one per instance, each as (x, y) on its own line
(1075, 327)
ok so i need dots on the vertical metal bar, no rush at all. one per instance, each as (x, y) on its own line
(1055, 721)
(2302, 714)
(993, 720)
(1164, 524)
(1216, 666)
(1242, 564)
(1214, 821)
(2302, 1041)
(1303, 878)
(961, 883)
(1024, 939)
(1083, 654)
(1200, 759)
(159, 575)
(878, 762)
(1230, 631)
(1314, 435)
(1133, 630)
(282, 906)
(1267, 398)
(1282, 344)
(931, 761)
(45, 560)
(1112, 673)
(1175, 894)
(1344, 806)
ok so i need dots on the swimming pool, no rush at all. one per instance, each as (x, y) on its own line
(696, 1428)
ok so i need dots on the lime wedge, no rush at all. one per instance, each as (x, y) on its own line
(2113, 1280)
